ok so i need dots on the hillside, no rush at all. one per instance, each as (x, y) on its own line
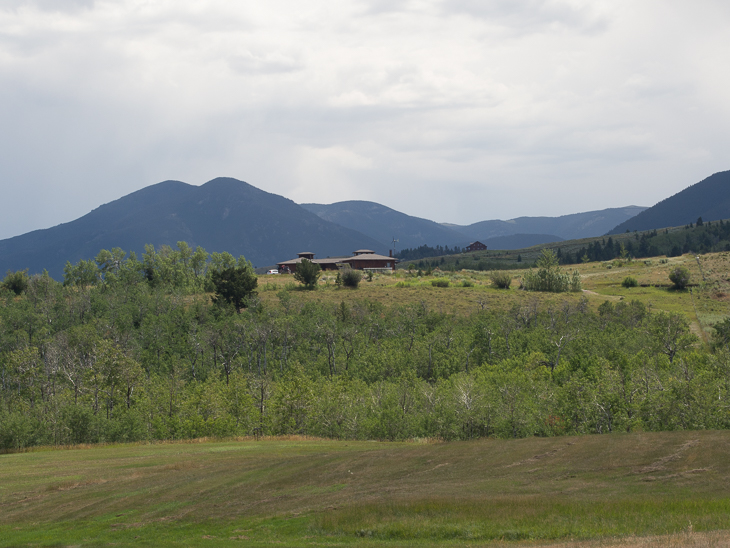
(568, 227)
(520, 241)
(222, 215)
(383, 224)
(709, 199)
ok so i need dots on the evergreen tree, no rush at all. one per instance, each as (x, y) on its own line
(307, 273)
(234, 286)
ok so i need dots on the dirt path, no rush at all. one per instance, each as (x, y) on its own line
(688, 539)
(607, 297)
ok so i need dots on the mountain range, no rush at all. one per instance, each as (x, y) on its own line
(221, 215)
(383, 224)
(226, 214)
(567, 227)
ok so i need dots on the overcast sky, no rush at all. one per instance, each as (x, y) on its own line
(453, 110)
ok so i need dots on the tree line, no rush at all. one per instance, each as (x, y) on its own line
(140, 351)
(425, 251)
(700, 237)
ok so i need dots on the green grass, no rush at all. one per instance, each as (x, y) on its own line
(314, 492)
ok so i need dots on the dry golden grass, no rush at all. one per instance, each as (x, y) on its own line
(706, 303)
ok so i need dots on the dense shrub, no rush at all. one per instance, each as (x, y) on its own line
(234, 286)
(502, 280)
(549, 277)
(680, 277)
(17, 282)
(629, 282)
(351, 278)
(441, 282)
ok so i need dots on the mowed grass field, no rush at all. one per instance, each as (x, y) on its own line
(641, 489)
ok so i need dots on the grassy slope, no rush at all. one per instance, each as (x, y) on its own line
(308, 493)
(707, 302)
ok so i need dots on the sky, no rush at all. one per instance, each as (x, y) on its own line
(452, 110)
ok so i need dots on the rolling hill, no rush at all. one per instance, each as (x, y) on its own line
(709, 199)
(222, 215)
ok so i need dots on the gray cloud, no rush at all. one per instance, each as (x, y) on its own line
(530, 15)
(264, 63)
(380, 7)
(453, 110)
(48, 5)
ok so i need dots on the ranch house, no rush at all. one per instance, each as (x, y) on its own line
(362, 259)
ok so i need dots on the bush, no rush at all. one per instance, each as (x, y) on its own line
(502, 280)
(351, 278)
(17, 282)
(441, 282)
(18, 429)
(307, 273)
(234, 286)
(679, 276)
(549, 277)
(467, 283)
(629, 282)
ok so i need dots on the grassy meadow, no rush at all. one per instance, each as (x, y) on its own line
(706, 302)
(640, 489)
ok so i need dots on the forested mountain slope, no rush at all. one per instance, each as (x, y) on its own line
(383, 224)
(222, 215)
(709, 199)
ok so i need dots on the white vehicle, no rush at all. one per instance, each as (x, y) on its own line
(273, 271)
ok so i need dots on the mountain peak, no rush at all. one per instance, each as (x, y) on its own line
(224, 214)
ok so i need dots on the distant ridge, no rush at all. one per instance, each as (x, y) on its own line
(709, 199)
(567, 227)
(383, 224)
(224, 214)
